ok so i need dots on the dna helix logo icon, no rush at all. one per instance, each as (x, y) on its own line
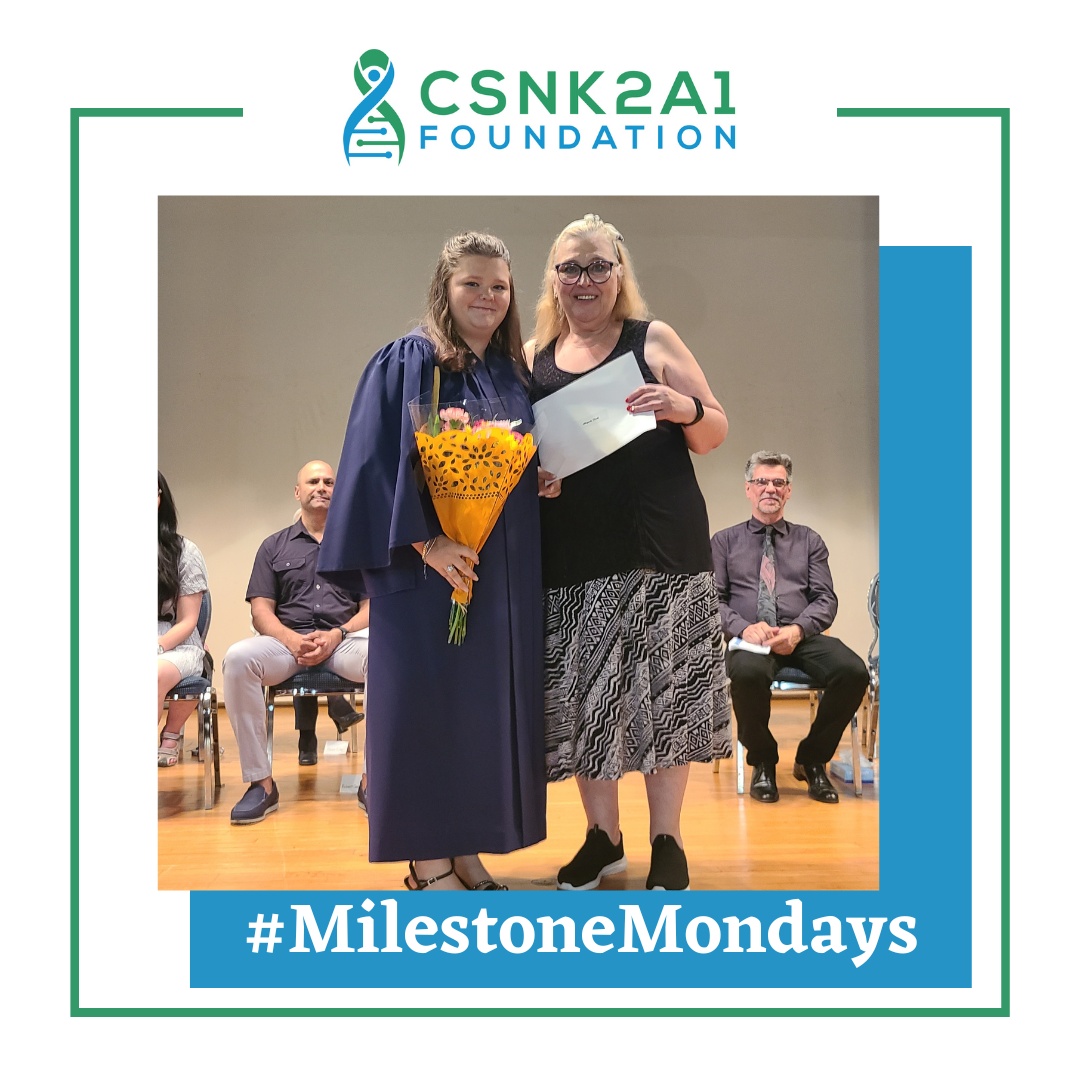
(374, 75)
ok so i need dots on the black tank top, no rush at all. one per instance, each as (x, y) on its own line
(638, 508)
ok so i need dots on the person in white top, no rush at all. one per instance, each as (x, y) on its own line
(181, 584)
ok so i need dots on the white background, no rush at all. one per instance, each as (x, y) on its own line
(791, 67)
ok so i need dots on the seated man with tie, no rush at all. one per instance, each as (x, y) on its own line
(776, 592)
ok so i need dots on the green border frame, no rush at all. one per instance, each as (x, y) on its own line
(1003, 1010)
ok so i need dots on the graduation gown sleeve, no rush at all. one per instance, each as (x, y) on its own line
(378, 509)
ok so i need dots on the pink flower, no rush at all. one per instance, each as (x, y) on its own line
(453, 419)
(486, 429)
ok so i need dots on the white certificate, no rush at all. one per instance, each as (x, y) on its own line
(587, 420)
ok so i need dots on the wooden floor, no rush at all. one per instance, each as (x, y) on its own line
(318, 837)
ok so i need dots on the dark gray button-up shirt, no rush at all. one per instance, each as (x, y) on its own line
(285, 572)
(804, 588)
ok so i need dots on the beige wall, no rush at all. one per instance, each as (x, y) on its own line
(270, 307)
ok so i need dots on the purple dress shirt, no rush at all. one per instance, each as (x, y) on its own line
(285, 571)
(804, 588)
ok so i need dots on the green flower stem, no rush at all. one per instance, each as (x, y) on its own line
(458, 615)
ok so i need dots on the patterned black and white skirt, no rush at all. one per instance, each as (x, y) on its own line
(635, 675)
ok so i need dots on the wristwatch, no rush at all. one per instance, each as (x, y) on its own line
(344, 632)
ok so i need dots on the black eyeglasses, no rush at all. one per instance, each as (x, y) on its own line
(762, 483)
(598, 271)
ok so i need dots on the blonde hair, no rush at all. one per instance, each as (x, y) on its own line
(630, 304)
(450, 349)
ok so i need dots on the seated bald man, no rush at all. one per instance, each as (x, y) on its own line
(302, 620)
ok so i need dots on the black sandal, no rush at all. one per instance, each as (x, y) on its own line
(487, 885)
(427, 881)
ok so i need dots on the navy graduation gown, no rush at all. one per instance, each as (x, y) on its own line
(455, 733)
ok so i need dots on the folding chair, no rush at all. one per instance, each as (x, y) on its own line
(314, 681)
(872, 657)
(792, 678)
(201, 688)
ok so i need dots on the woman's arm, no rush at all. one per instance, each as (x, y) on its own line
(550, 487)
(187, 615)
(681, 380)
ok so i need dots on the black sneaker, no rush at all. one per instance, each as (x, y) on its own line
(668, 870)
(597, 858)
(361, 797)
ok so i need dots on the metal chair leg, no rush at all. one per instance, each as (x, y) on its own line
(856, 756)
(872, 723)
(216, 738)
(739, 777)
(206, 751)
(269, 728)
(354, 732)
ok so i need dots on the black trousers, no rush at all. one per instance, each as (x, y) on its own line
(306, 709)
(830, 663)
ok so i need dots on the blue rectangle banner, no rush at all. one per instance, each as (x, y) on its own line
(914, 931)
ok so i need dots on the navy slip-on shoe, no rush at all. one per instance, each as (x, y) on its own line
(255, 804)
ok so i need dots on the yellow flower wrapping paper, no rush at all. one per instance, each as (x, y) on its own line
(469, 473)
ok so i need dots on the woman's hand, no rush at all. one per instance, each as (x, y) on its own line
(666, 403)
(550, 484)
(452, 560)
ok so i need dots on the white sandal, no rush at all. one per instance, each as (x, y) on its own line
(168, 756)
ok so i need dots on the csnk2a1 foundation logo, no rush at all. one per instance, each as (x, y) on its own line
(373, 75)
(638, 113)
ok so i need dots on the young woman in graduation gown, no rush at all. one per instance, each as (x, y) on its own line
(455, 733)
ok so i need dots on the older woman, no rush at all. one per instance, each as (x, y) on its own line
(455, 733)
(634, 655)
(181, 584)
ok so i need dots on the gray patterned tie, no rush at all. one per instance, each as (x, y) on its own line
(766, 591)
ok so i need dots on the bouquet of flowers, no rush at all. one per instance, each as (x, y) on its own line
(472, 456)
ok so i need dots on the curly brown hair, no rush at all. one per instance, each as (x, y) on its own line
(450, 349)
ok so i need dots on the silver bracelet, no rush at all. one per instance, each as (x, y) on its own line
(427, 548)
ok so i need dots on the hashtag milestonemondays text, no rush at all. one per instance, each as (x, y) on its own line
(378, 931)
